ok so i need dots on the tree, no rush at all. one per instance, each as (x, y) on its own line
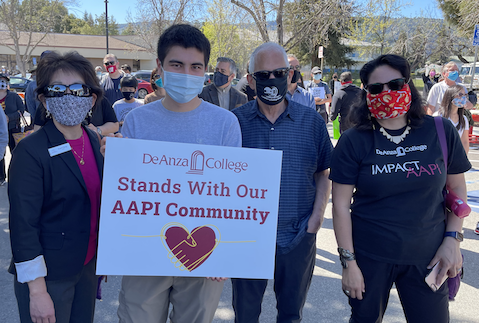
(28, 22)
(226, 27)
(336, 53)
(152, 17)
(129, 30)
(377, 24)
(298, 20)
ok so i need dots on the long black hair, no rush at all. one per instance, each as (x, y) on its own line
(360, 116)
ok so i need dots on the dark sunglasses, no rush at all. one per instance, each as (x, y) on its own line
(58, 90)
(109, 63)
(156, 76)
(393, 85)
(295, 68)
(278, 73)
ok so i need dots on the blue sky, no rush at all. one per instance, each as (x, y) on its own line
(119, 8)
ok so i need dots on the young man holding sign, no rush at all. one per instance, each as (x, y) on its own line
(272, 122)
(183, 54)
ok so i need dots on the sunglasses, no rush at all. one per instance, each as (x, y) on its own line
(58, 90)
(393, 85)
(278, 73)
(295, 68)
(109, 63)
(156, 76)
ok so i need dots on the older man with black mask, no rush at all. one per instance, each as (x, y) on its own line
(273, 122)
(221, 93)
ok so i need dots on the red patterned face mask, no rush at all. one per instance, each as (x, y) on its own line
(389, 104)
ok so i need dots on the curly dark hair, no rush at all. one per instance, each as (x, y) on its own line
(360, 116)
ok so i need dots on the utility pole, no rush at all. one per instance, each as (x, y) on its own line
(106, 24)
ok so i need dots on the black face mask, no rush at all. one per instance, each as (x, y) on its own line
(272, 91)
(220, 79)
(296, 76)
(128, 95)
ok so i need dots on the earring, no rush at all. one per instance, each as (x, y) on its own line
(90, 112)
(48, 114)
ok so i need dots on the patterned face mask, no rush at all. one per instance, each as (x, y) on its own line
(69, 110)
(389, 104)
(460, 102)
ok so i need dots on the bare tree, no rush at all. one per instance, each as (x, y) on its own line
(297, 20)
(27, 23)
(152, 17)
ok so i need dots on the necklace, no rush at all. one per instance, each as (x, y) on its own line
(395, 139)
(82, 162)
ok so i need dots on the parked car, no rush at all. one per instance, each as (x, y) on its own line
(208, 78)
(19, 84)
(142, 75)
(144, 88)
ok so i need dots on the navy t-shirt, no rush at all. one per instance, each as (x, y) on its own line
(397, 211)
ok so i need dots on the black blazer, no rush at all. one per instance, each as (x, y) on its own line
(13, 104)
(210, 94)
(49, 203)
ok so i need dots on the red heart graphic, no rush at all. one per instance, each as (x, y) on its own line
(191, 249)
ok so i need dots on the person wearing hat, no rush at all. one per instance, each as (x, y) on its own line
(13, 107)
(321, 92)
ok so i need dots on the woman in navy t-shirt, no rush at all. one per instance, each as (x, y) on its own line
(391, 166)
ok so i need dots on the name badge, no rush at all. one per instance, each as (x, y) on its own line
(57, 150)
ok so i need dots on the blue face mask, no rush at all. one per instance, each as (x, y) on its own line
(159, 82)
(453, 75)
(318, 76)
(459, 102)
(182, 88)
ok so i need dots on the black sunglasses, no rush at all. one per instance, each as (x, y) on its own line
(278, 73)
(295, 68)
(58, 90)
(109, 63)
(393, 85)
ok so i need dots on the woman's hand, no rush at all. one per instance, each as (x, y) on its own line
(41, 308)
(449, 256)
(353, 281)
(103, 141)
(41, 304)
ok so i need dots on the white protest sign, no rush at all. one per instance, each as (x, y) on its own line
(318, 92)
(173, 209)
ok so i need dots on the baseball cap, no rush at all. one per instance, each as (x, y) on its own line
(316, 70)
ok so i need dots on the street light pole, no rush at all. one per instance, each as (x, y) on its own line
(106, 24)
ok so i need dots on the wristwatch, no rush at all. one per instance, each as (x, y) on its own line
(455, 234)
(98, 130)
(345, 256)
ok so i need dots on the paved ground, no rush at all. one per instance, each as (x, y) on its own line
(326, 302)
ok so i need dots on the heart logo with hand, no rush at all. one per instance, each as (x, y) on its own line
(188, 250)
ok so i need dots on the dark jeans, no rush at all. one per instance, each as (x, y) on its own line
(324, 114)
(73, 298)
(292, 278)
(420, 303)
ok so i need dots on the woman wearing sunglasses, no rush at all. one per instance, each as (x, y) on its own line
(392, 168)
(157, 86)
(54, 195)
(452, 108)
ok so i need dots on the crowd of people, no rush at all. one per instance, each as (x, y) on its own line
(384, 231)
